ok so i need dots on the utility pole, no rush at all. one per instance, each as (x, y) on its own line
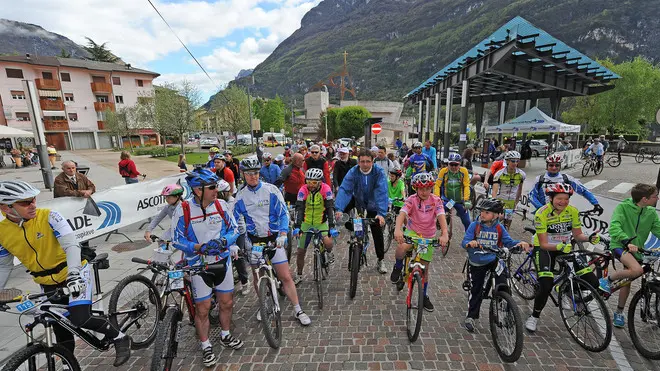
(250, 112)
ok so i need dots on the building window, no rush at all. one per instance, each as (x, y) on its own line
(68, 97)
(98, 79)
(100, 116)
(22, 116)
(139, 82)
(65, 76)
(73, 116)
(116, 80)
(47, 75)
(102, 98)
(18, 94)
(14, 73)
(119, 99)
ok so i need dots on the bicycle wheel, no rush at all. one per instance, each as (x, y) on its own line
(506, 326)
(586, 168)
(656, 158)
(598, 168)
(614, 161)
(585, 315)
(166, 341)
(523, 275)
(271, 318)
(445, 249)
(159, 281)
(415, 306)
(214, 311)
(389, 235)
(40, 357)
(130, 309)
(643, 317)
(639, 158)
(289, 244)
(318, 277)
(355, 251)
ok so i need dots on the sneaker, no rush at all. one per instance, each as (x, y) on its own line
(396, 274)
(231, 342)
(258, 315)
(619, 320)
(428, 306)
(329, 257)
(381, 267)
(298, 279)
(122, 350)
(469, 324)
(530, 325)
(303, 318)
(605, 284)
(245, 288)
(209, 358)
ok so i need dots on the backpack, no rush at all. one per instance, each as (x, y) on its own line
(498, 226)
(186, 214)
(124, 171)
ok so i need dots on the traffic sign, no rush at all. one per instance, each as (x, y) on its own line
(376, 128)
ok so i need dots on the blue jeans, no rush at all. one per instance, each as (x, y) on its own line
(131, 180)
(461, 211)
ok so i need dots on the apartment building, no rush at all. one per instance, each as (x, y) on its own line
(73, 97)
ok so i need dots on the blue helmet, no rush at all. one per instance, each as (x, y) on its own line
(201, 178)
(454, 157)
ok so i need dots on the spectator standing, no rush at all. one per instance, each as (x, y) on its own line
(127, 168)
(52, 155)
(398, 143)
(431, 153)
(182, 163)
(292, 177)
(403, 151)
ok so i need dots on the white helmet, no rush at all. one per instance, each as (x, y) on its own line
(16, 190)
(223, 186)
(267, 156)
(314, 174)
(512, 155)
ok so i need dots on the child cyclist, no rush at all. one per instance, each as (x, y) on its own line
(421, 211)
(396, 190)
(173, 194)
(315, 208)
(485, 232)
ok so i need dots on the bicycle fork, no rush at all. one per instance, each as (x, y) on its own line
(417, 269)
(269, 276)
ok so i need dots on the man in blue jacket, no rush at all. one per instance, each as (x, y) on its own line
(431, 153)
(269, 172)
(366, 186)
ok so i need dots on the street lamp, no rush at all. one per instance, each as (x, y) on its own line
(326, 117)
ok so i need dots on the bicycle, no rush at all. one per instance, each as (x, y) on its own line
(390, 224)
(269, 285)
(47, 314)
(413, 274)
(321, 265)
(503, 314)
(593, 165)
(357, 249)
(449, 206)
(641, 156)
(614, 160)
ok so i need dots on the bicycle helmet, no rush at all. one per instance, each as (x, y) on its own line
(279, 158)
(423, 180)
(219, 157)
(250, 163)
(201, 178)
(172, 190)
(417, 145)
(554, 188)
(491, 204)
(445, 161)
(223, 186)
(227, 152)
(16, 190)
(267, 156)
(314, 174)
(396, 171)
(214, 149)
(554, 158)
(512, 155)
(454, 157)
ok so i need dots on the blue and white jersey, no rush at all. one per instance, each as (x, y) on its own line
(263, 209)
(538, 197)
(202, 229)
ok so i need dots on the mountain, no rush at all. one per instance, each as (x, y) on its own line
(243, 73)
(393, 45)
(18, 38)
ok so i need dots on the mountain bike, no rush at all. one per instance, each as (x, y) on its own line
(643, 152)
(390, 224)
(269, 285)
(320, 263)
(506, 323)
(593, 165)
(124, 315)
(413, 274)
(357, 249)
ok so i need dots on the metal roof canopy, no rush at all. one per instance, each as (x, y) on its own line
(517, 62)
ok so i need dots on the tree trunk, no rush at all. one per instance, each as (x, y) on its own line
(162, 137)
(130, 141)
(182, 149)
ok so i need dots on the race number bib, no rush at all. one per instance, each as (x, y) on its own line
(450, 204)
(176, 279)
(357, 225)
(557, 238)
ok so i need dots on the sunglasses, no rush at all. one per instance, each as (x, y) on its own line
(514, 161)
(266, 159)
(314, 152)
(212, 187)
(25, 203)
(454, 164)
(251, 173)
(313, 182)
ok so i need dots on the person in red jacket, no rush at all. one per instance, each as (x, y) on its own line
(127, 168)
(293, 178)
(316, 161)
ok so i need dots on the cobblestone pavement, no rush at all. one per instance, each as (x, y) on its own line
(369, 331)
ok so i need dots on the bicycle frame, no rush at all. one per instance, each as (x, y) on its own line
(266, 272)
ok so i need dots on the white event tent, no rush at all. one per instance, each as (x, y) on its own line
(531, 121)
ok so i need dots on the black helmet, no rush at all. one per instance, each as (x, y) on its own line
(491, 204)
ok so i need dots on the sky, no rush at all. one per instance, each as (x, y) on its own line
(224, 35)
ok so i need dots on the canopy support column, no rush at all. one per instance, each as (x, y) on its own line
(436, 113)
(428, 119)
(419, 121)
(445, 142)
(479, 118)
(462, 141)
(502, 108)
(528, 106)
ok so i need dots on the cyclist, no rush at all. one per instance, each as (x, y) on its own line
(485, 232)
(421, 211)
(508, 183)
(315, 208)
(213, 151)
(537, 195)
(597, 149)
(44, 242)
(173, 194)
(634, 218)
(292, 177)
(342, 166)
(316, 161)
(279, 161)
(204, 230)
(453, 183)
(396, 191)
(496, 166)
(224, 193)
(382, 160)
(233, 165)
(419, 162)
(365, 187)
(621, 146)
(266, 217)
(223, 172)
(269, 172)
(555, 222)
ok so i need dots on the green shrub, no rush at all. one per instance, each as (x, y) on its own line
(159, 151)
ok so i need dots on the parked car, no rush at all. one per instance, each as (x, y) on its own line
(539, 147)
(208, 142)
(345, 142)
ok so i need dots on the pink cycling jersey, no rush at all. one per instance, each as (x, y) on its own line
(423, 214)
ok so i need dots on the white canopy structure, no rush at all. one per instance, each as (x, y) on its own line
(9, 132)
(531, 121)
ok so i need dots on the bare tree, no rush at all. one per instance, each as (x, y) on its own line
(122, 123)
(175, 109)
(229, 111)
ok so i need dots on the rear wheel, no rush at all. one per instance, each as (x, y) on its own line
(271, 318)
(166, 342)
(415, 306)
(40, 357)
(614, 161)
(639, 157)
(355, 268)
(523, 275)
(506, 327)
(643, 323)
(656, 158)
(131, 309)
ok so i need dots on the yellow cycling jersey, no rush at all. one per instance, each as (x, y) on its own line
(559, 227)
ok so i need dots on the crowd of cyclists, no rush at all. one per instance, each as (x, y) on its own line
(235, 204)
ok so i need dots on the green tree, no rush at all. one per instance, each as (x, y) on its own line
(99, 52)
(350, 121)
(258, 108)
(273, 115)
(333, 131)
(229, 110)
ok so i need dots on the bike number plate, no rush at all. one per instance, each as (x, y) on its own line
(25, 306)
(176, 279)
(357, 225)
(258, 248)
(500, 268)
(450, 204)
(508, 212)
(422, 248)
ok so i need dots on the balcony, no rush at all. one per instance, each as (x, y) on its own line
(101, 87)
(101, 125)
(44, 84)
(101, 107)
(56, 125)
(51, 105)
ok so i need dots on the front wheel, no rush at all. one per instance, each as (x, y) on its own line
(523, 275)
(318, 276)
(614, 161)
(643, 317)
(389, 235)
(586, 168)
(271, 317)
(131, 309)
(639, 157)
(40, 357)
(445, 249)
(656, 158)
(598, 168)
(166, 342)
(506, 327)
(415, 306)
(355, 268)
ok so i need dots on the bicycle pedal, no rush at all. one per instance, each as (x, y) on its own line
(467, 286)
